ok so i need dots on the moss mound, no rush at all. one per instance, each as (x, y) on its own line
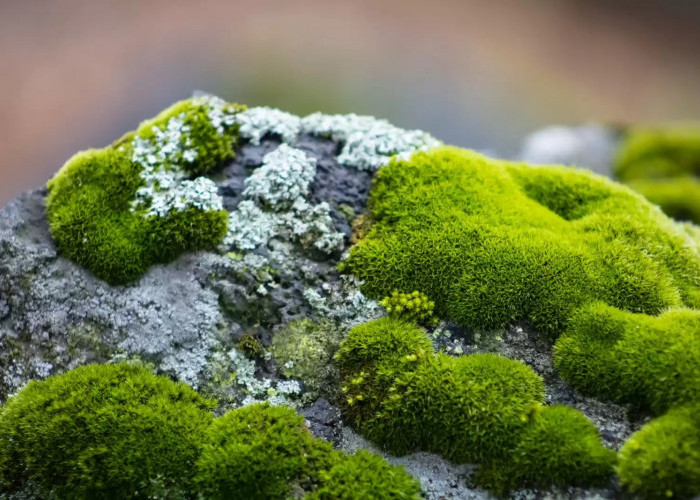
(492, 242)
(558, 447)
(478, 408)
(652, 362)
(364, 475)
(118, 431)
(662, 460)
(664, 165)
(102, 431)
(120, 209)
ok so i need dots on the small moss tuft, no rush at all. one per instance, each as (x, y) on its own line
(662, 459)
(558, 447)
(102, 431)
(364, 475)
(120, 209)
(249, 345)
(259, 452)
(415, 307)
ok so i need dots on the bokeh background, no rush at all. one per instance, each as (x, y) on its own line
(481, 74)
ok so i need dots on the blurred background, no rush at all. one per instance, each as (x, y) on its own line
(481, 74)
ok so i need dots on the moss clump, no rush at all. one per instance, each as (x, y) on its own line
(662, 460)
(415, 307)
(249, 345)
(558, 447)
(492, 242)
(404, 397)
(365, 475)
(101, 204)
(259, 452)
(102, 431)
(653, 362)
(304, 350)
(664, 165)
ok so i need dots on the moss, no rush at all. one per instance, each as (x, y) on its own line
(260, 451)
(662, 460)
(98, 203)
(101, 431)
(492, 242)
(404, 397)
(304, 350)
(414, 307)
(365, 475)
(558, 447)
(664, 165)
(250, 346)
(653, 362)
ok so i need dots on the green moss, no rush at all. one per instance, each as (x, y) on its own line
(415, 307)
(558, 447)
(492, 242)
(101, 431)
(365, 475)
(304, 350)
(653, 362)
(664, 165)
(260, 451)
(250, 346)
(404, 397)
(90, 201)
(662, 460)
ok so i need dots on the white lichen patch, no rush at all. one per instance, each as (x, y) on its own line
(343, 302)
(275, 206)
(283, 178)
(255, 123)
(368, 143)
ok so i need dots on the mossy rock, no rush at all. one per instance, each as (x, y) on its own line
(493, 242)
(663, 163)
(100, 205)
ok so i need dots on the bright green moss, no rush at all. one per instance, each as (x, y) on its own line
(492, 242)
(558, 447)
(304, 350)
(365, 475)
(664, 165)
(652, 362)
(102, 431)
(404, 397)
(90, 205)
(414, 306)
(662, 460)
(260, 452)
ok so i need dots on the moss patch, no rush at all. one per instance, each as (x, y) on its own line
(492, 242)
(662, 460)
(652, 362)
(120, 209)
(664, 165)
(101, 431)
(118, 431)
